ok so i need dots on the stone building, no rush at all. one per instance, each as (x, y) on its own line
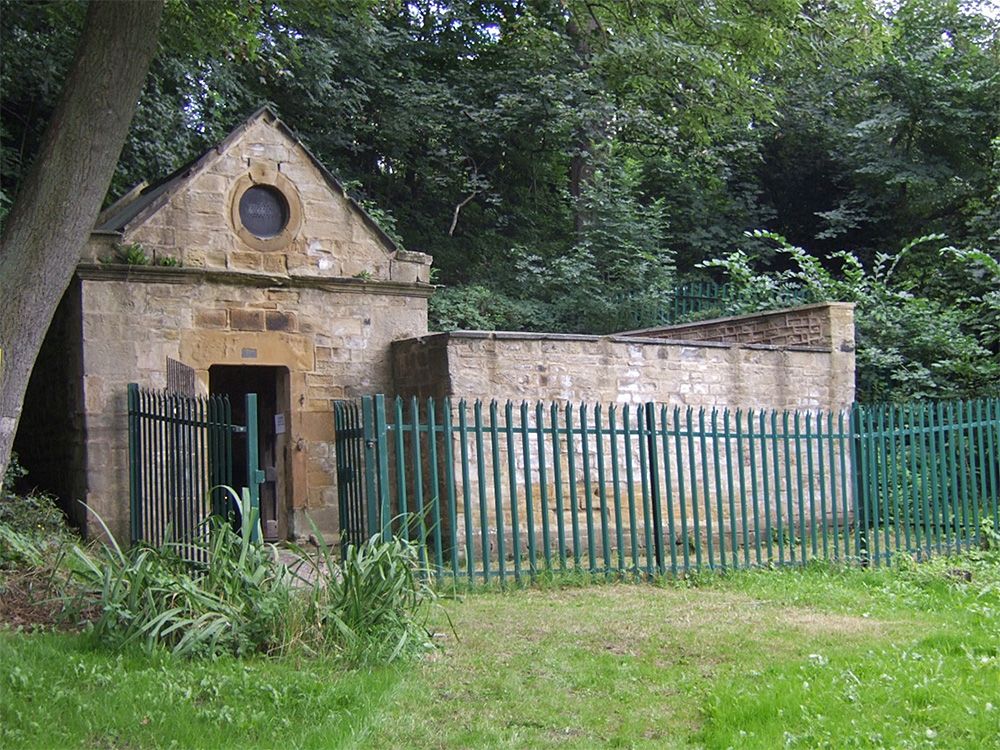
(262, 275)
(251, 270)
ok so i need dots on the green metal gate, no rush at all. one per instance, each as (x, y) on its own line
(180, 457)
(357, 488)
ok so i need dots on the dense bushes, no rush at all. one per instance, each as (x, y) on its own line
(917, 338)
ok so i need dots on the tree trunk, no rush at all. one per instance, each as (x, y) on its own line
(581, 165)
(58, 203)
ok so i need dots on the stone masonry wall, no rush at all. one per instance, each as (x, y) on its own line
(631, 370)
(619, 369)
(323, 298)
(335, 344)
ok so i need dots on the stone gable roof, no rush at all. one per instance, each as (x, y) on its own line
(144, 200)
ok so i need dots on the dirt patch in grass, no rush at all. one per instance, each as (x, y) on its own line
(26, 601)
(30, 600)
(819, 623)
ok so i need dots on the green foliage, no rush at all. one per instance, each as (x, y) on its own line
(129, 699)
(478, 308)
(132, 254)
(909, 346)
(32, 527)
(34, 514)
(562, 154)
(221, 593)
(826, 656)
(13, 473)
(371, 607)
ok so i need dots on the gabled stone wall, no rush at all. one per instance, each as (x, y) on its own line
(318, 302)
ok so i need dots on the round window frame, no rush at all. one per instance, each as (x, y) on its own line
(284, 186)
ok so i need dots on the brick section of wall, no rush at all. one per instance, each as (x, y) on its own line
(334, 344)
(809, 325)
(420, 367)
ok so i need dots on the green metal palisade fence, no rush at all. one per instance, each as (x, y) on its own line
(691, 300)
(501, 492)
(180, 455)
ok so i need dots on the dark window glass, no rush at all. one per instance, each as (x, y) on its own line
(263, 211)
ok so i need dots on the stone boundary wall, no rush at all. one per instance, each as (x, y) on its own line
(814, 375)
(639, 368)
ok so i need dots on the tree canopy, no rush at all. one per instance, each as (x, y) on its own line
(563, 158)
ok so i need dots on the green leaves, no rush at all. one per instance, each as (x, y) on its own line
(910, 345)
(223, 594)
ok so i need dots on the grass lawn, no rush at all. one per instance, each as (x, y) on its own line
(816, 658)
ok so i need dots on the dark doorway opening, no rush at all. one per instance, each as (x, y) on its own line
(271, 386)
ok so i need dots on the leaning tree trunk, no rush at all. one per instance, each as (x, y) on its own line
(61, 196)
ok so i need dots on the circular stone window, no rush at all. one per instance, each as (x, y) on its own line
(263, 211)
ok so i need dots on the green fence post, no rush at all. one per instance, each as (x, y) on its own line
(370, 465)
(463, 448)
(515, 521)
(574, 501)
(588, 494)
(435, 486)
(543, 485)
(681, 495)
(381, 436)
(668, 487)
(255, 475)
(134, 469)
(705, 487)
(449, 462)
(859, 486)
(557, 484)
(494, 428)
(647, 524)
(484, 523)
(654, 487)
(633, 531)
(730, 489)
(529, 501)
(616, 489)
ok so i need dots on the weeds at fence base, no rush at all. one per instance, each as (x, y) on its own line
(222, 593)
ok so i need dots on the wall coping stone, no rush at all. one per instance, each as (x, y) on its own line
(180, 275)
(737, 318)
(615, 339)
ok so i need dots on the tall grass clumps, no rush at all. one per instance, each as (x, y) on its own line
(222, 593)
(366, 605)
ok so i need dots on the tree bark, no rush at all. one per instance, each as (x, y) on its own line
(581, 165)
(58, 203)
